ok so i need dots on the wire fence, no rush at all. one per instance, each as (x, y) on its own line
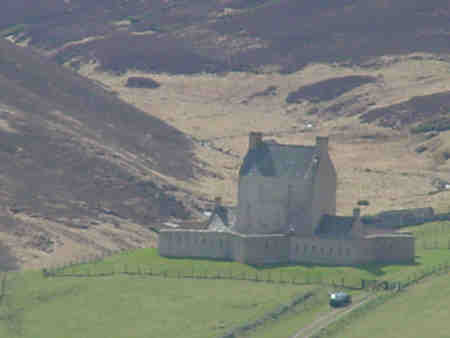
(229, 274)
(280, 277)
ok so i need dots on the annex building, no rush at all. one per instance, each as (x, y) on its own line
(286, 213)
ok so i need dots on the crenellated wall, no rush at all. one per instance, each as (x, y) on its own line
(278, 248)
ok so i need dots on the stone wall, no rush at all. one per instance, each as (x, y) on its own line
(269, 204)
(277, 248)
(330, 251)
(253, 249)
(265, 249)
(394, 248)
(380, 249)
(197, 243)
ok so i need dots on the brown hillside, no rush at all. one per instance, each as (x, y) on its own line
(84, 171)
(214, 36)
(76, 156)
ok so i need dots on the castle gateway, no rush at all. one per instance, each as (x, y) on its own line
(286, 213)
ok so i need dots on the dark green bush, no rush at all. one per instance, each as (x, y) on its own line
(434, 125)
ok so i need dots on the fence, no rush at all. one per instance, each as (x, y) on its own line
(254, 276)
(3, 287)
(250, 276)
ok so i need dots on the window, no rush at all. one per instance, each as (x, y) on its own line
(267, 244)
(340, 252)
(203, 240)
(221, 243)
(313, 249)
(347, 252)
(305, 249)
(322, 251)
(296, 247)
(330, 251)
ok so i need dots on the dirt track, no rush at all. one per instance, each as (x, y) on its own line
(328, 318)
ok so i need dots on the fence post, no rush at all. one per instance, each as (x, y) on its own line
(3, 288)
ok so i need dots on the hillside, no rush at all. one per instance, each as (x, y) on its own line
(80, 167)
(86, 170)
(179, 36)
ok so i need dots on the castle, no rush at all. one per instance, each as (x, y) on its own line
(286, 213)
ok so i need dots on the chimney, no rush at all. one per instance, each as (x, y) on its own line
(356, 214)
(217, 201)
(254, 139)
(322, 144)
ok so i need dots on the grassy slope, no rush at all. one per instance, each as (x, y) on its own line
(299, 317)
(122, 306)
(125, 306)
(421, 311)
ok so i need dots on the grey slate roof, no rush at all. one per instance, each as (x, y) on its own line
(271, 159)
(336, 226)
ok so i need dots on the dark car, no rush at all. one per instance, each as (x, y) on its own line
(338, 299)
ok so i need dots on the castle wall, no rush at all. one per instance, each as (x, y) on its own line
(254, 249)
(266, 249)
(198, 243)
(324, 193)
(393, 248)
(330, 251)
(278, 248)
(269, 204)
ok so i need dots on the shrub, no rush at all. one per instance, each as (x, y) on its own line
(434, 125)
(142, 82)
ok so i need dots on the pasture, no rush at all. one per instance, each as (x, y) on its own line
(125, 306)
(142, 294)
(420, 311)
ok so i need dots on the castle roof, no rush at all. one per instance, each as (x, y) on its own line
(272, 159)
(335, 226)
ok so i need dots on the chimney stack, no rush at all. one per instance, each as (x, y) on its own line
(358, 226)
(356, 213)
(218, 201)
(254, 139)
(322, 144)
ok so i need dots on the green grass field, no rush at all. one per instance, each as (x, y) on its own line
(420, 311)
(141, 305)
(128, 306)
